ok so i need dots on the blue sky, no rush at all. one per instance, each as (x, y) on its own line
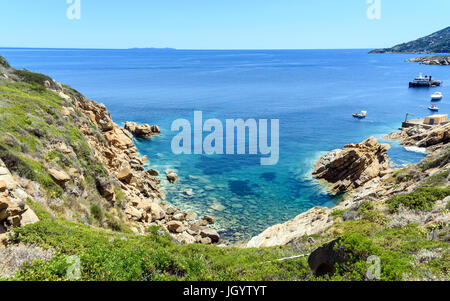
(218, 24)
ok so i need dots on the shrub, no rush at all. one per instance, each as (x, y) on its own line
(31, 77)
(97, 212)
(4, 62)
(422, 199)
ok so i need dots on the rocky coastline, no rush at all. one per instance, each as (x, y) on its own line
(123, 187)
(443, 60)
(363, 172)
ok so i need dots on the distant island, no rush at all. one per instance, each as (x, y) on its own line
(438, 42)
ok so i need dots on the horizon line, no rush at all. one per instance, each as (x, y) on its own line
(182, 49)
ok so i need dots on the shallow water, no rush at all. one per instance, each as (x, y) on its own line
(312, 92)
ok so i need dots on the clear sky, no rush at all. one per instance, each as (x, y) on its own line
(218, 24)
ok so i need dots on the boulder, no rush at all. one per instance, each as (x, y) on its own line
(175, 226)
(172, 177)
(105, 188)
(2, 186)
(141, 130)
(308, 223)
(125, 175)
(212, 234)
(157, 212)
(209, 219)
(354, 165)
(118, 138)
(133, 213)
(152, 172)
(322, 261)
(179, 217)
(59, 176)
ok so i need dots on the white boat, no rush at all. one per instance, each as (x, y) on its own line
(433, 108)
(361, 115)
(436, 96)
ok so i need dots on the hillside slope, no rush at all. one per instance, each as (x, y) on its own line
(438, 42)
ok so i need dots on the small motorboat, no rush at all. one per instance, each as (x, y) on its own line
(433, 108)
(436, 96)
(361, 115)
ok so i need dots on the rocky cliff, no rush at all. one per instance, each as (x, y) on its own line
(79, 164)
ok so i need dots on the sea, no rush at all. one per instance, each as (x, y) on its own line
(313, 94)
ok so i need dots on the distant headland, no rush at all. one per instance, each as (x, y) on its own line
(438, 42)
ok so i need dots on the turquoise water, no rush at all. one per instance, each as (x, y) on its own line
(312, 92)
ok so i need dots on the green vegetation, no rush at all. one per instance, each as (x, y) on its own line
(107, 255)
(4, 62)
(32, 78)
(423, 198)
(97, 212)
(439, 179)
(397, 249)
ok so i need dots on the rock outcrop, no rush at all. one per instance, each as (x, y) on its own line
(309, 223)
(348, 168)
(419, 136)
(13, 210)
(144, 207)
(144, 131)
(443, 60)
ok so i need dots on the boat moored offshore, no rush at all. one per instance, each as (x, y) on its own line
(433, 108)
(436, 96)
(361, 115)
(424, 81)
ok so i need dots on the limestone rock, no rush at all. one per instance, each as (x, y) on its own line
(210, 233)
(157, 212)
(354, 165)
(308, 223)
(172, 177)
(105, 188)
(59, 176)
(142, 130)
(125, 175)
(175, 226)
(2, 186)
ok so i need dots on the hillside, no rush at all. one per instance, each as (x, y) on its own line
(73, 183)
(438, 42)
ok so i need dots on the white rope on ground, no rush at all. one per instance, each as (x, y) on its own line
(286, 258)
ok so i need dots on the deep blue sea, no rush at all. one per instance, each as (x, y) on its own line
(312, 92)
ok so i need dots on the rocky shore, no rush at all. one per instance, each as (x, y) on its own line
(443, 60)
(363, 172)
(128, 192)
